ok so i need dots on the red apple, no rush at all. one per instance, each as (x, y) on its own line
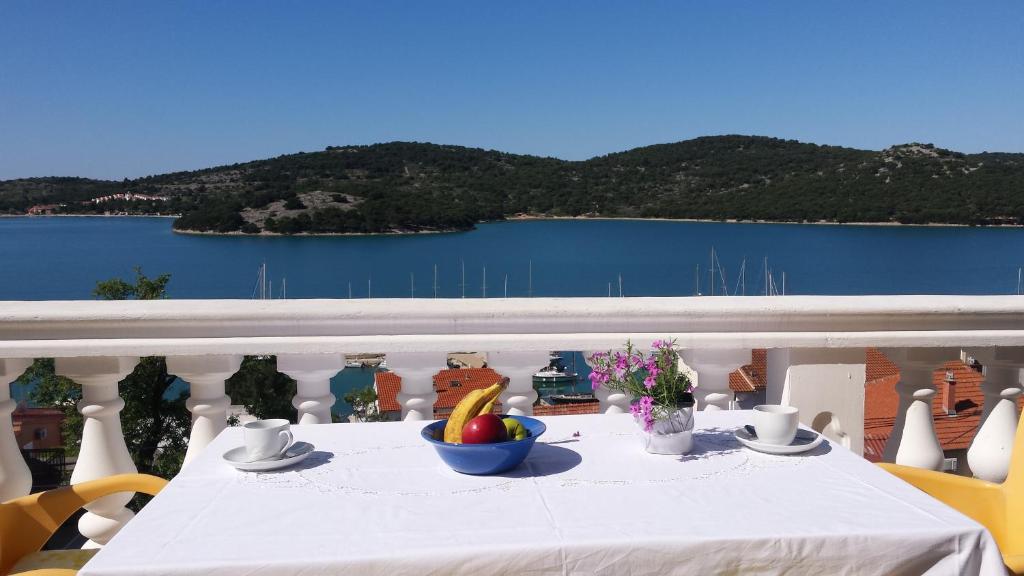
(484, 429)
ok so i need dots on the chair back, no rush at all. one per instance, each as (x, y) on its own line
(22, 532)
(1013, 492)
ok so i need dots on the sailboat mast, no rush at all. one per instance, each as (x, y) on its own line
(412, 284)
(506, 285)
(765, 275)
(711, 273)
(484, 291)
(529, 282)
(463, 282)
(435, 280)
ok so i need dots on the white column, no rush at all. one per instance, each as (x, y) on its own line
(712, 368)
(15, 477)
(312, 373)
(827, 385)
(207, 401)
(103, 451)
(417, 371)
(609, 401)
(519, 367)
(989, 453)
(913, 441)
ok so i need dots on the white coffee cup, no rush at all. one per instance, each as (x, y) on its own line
(266, 438)
(776, 424)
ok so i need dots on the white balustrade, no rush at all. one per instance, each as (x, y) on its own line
(312, 373)
(15, 477)
(990, 450)
(827, 385)
(713, 367)
(519, 367)
(810, 339)
(207, 401)
(913, 441)
(103, 451)
(417, 370)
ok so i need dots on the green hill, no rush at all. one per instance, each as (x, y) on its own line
(400, 186)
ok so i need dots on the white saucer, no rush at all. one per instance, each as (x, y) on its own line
(805, 440)
(295, 453)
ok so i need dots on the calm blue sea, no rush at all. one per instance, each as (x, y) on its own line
(62, 258)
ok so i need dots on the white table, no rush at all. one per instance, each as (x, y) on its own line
(375, 499)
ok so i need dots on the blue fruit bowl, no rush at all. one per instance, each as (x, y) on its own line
(484, 459)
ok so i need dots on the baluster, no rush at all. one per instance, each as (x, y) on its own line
(827, 385)
(913, 441)
(417, 370)
(15, 477)
(989, 453)
(103, 451)
(610, 401)
(312, 373)
(712, 368)
(207, 401)
(519, 367)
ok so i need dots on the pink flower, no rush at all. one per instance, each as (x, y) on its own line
(643, 410)
(650, 382)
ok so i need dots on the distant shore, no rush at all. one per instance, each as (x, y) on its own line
(735, 221)
(175, 216)
(515, 218)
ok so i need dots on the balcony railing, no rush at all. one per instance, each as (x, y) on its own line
(816, 359)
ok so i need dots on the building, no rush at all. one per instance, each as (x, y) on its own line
(956, 407)
(37, 428)
(750, 383)
(451, 385)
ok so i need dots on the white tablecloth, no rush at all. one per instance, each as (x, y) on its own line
(376, 499)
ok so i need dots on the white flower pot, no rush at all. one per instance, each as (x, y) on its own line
(673, 435)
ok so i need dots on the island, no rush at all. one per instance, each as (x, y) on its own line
(411, 187)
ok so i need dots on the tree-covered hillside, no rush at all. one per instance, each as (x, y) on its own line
(403, 186)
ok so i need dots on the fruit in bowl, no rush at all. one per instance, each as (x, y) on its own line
(475, 441)
(484, 429)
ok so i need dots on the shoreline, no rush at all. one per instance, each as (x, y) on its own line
(175, 216)
(515, 218)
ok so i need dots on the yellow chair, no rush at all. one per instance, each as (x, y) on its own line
(998, 507)
(26, 524)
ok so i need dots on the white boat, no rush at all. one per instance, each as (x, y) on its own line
(555, 373)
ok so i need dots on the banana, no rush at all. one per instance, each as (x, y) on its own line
(488, 408)
(470, 407)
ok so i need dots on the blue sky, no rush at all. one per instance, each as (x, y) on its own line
(125, 89)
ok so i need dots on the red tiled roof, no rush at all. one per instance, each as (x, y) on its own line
(955, 432)
(388, 385)
(751, 377)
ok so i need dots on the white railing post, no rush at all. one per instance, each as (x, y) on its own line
(519, 367)
(312, 373)
(827, 385)
(990, 450)
(417, 370)
(913, 441)
(103, 451)
(207, 401)
(712, 368)
(15, 477)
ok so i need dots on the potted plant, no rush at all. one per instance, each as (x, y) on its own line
(662, 396)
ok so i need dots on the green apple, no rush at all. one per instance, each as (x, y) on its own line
(516, 430)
